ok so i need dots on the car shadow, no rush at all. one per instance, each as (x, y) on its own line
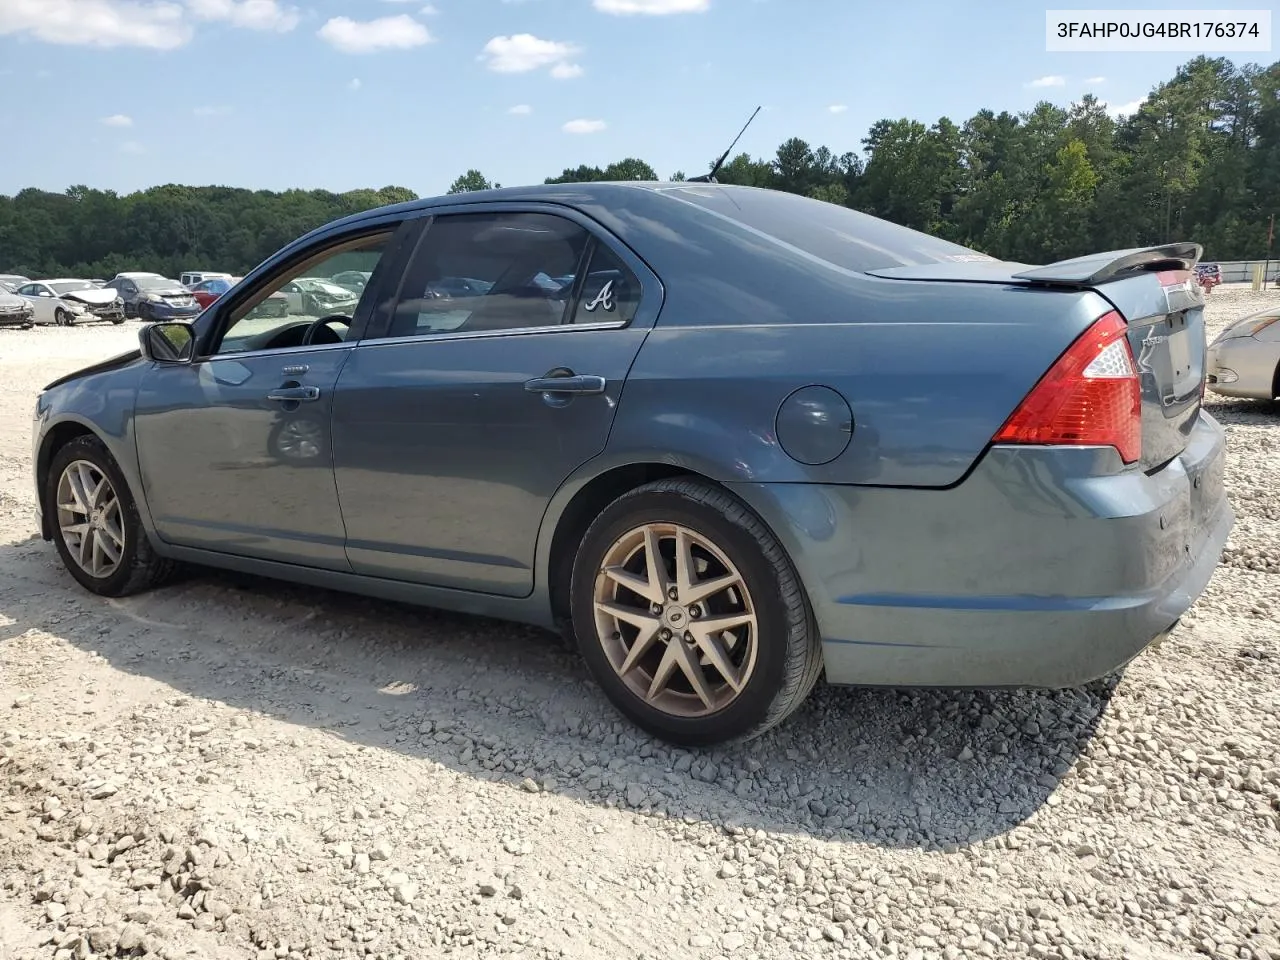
(1243, 412)
(927, 769)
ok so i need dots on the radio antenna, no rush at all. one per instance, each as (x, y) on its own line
(711, 176)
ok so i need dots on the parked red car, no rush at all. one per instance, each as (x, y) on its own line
(210, 290)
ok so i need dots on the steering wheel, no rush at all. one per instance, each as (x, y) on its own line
(310, 335)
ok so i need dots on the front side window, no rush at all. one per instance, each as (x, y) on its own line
(302, 305)
(490, 271)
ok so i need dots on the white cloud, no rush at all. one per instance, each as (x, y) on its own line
(652, 7)
(1052, 81)
(400, 32)
(521, 110)
(355, 84)
(837, 108)
(157, 24)
(1124, 109)
(524, 52)
(584, 126)
(429, 10)
(250, 14)
(118, 120)
(566, 71)
(1096, 80)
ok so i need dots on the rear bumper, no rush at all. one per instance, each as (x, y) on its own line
(1035, 571)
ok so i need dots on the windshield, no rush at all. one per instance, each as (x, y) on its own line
(154, 283)
(71, 286)
(838, 235)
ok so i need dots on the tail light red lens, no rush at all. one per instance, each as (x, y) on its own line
(1090, 397)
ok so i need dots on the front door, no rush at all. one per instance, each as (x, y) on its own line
(497, 376)
(234, 448)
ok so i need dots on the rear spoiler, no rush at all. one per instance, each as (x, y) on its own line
(1099, 268)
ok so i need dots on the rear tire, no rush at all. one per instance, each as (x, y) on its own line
(753, 674)
(86, 491)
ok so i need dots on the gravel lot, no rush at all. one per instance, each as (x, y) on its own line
(237, 768)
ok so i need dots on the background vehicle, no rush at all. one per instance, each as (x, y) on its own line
(824, 443)
(14, 279)
(1244, 359)
(190, 278)
(149, 296)
(207, 291)
(15, 311)
(66, 302)
(354, 280)
(315, 297)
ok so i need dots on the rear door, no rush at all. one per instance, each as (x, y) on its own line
(496, 375)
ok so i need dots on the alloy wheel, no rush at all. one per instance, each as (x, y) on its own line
(675, 619)
(90, 518)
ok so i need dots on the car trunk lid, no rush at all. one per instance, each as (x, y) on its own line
(1155, 290)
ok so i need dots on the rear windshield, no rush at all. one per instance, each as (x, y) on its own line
(838, 235)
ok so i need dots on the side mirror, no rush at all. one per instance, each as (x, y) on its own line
(169, 342)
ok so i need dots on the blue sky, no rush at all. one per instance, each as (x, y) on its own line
(338, 94)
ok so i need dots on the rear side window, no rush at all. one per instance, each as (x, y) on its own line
(835, 234)
(610, 291)
(477, 272)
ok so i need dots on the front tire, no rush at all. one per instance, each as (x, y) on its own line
(690, 615)
(96, 527)
(63, 318)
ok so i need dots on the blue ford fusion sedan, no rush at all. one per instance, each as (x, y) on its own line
(727, 439)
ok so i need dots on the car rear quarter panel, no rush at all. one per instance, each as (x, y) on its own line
(931, 370)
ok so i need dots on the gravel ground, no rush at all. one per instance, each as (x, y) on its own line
(237, 768)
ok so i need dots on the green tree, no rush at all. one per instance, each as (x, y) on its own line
(471, 180)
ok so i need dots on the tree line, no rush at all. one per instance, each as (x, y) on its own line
(1198, 160)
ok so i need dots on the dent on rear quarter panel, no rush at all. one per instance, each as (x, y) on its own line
(930, 370)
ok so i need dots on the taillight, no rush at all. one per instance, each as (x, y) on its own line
(1090, 397)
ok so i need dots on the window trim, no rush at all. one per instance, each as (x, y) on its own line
(401, 230)
(652, 293)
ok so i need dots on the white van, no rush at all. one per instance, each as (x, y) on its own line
(190, 278)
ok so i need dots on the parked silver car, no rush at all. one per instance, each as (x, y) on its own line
(1244, 360)
(15, 311)
(66, 302)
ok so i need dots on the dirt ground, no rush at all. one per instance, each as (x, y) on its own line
(231, 767)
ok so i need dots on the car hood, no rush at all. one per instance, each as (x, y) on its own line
(166, 292)
(112, 363)
(96, 296)
(11, 300)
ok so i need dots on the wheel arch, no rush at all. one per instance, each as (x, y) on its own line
(55, 438)
(588, 497)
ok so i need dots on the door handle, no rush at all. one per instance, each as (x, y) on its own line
(294, 394)
(572, 384)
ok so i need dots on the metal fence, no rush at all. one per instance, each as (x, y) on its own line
(1241, 271)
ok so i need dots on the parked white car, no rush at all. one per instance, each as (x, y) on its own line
(66, 302)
